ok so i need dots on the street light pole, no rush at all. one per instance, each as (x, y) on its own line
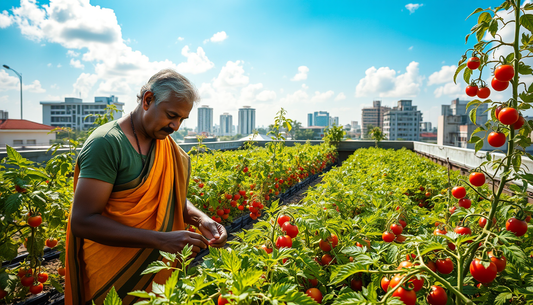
(20, 77)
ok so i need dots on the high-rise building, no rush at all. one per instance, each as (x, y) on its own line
(226, 124)
(309, 119)
(205, 119)
(74, 113)
(246, 120)
(425, 127)
(355, 126)
(402, 122)
(334, 121)
(373, 116)
(455, 127)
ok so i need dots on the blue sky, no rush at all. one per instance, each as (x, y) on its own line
(304, 56)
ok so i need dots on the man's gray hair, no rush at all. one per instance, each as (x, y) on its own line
(168, 81)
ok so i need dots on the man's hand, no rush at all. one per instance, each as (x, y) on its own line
(175, 241)
(213, 231)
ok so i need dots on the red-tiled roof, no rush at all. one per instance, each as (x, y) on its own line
(12, 124)
(428, 135)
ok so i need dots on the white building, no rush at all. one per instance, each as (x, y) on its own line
(455, 127)
(246, 120)
(402, 122)
(334, 121)
(425, 127)
(205, 119)
(355, 126)
(226, 124)
(22, 133)
(73, 112)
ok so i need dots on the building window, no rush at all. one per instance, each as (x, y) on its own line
(31, 142)
(18, 142)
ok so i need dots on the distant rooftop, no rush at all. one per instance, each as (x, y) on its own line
(17, 124)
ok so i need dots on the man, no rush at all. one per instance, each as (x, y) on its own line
(130, 190)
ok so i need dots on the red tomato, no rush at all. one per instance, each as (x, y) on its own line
(227, 211)
(290, 229)
(385, 283)
(242, 193)
(403, 223)
(417, 282)
(356, 284)
(267, 249)
(245, 169)
(439, 231)
(521, 121)
(518, 227)
(504, 73)
(233, 203)
(253, 216)
(3, 293)
(445, 266)
(42, 277)
(282, 219)
(400, 238)
(483, 92)
(220, 212)
(499, 85)
(452, 210)
(36, 289)
(27, 280)
(408, 297)
(35, 221)
(397, 229)
(315, 294)
(482, 274)
(62, 271)
(404, 264)
(463, 230)
(458, 192)
(236, 197)
(473, 63)
(325, 245)
(497, 111)
(200, 185)
(451, 246)
(483, 221)
(395, 280)
(222, 301)
(388, 236)
(22, 272)
(500, 262)
(465, 203)
(508, 116)
(241, 207)
(284, 242)
(225, 216)
(228, 196)
(477, 179)
(326, 259)
(313, 282)
(471, 90)
(496, 139)
(437, 296)
(431, 265)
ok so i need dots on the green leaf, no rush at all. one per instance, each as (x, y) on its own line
(112, 298)
(169, 256)
(493, 27)
(524, 69)
(485, 17)
(459, 69)
(340, 273)
(526, 20)
(503, 298)
(473, 102)
(481, 32)
(13, 203)
(155, 267)
(528, 7)
(473, 115)
(12, 154)
(479, 145)
(466, 75)
(170, 285)
(474, 139)
(57, 285)
(479, 9)
(141, 294)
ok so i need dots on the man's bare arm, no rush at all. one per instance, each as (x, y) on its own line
(213, 231)
(87, 222)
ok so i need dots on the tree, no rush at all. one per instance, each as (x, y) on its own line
(376, 134)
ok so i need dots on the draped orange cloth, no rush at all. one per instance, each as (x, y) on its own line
(153, 201)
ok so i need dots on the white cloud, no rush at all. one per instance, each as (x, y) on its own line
(217, 37)
(341, 96)
(384, 82)
(412, 7)
(322, 97)
(266, 95)
(59, 65)
(232, 75)
(410, 48)
(49, 64)
(304, 86)
(302, 73)
(249, 92)
(5, 20)
(450, 89)
(180, 39)
(196, 62)
(298, 96)
(84, 84)
(54, 86)
(72, 53)
(76, 64)
(34, 87)
(445, 75)
(8, 82)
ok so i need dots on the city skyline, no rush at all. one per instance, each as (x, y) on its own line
(299, 55)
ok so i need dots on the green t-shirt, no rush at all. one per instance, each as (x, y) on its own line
(108, 155)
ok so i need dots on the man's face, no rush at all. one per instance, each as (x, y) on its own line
(166, 117)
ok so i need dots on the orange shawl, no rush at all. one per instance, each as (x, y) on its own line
(153, 201)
